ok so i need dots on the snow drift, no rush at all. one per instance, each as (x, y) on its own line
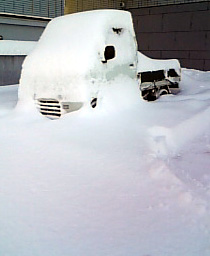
(128, 182)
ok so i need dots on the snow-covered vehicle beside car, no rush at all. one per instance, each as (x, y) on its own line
(158, 77)
(77, 55)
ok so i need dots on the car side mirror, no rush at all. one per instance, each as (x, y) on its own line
(109, 53)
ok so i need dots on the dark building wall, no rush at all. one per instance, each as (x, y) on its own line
(10, 68)
(179, 31)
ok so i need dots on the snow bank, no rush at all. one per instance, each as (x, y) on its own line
(147, 64)
(105, 182)
(68, 60)
(11, 47)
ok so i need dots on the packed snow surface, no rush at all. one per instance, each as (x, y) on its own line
(68, 60)
(12, 47)
(128, 178)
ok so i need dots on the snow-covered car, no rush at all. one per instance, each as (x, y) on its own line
(77, 54)
(81, 53)
(158, 77)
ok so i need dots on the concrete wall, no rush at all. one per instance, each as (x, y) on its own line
(175, 31)
(10, 69)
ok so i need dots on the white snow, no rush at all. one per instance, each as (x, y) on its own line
(67, 62)
(147, 64)
(12, 47)
(127, 178)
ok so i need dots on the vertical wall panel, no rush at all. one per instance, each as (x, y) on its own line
(18, 6)
(27, 7)
(2, 5)
(59, 7)
(9, 6)
(51, 4)
(36, 7)
(44, 9)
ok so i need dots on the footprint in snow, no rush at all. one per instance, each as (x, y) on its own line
(160, 141)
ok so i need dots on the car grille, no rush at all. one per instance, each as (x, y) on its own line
(50, 108)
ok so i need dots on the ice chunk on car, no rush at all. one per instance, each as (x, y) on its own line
(75, 56)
